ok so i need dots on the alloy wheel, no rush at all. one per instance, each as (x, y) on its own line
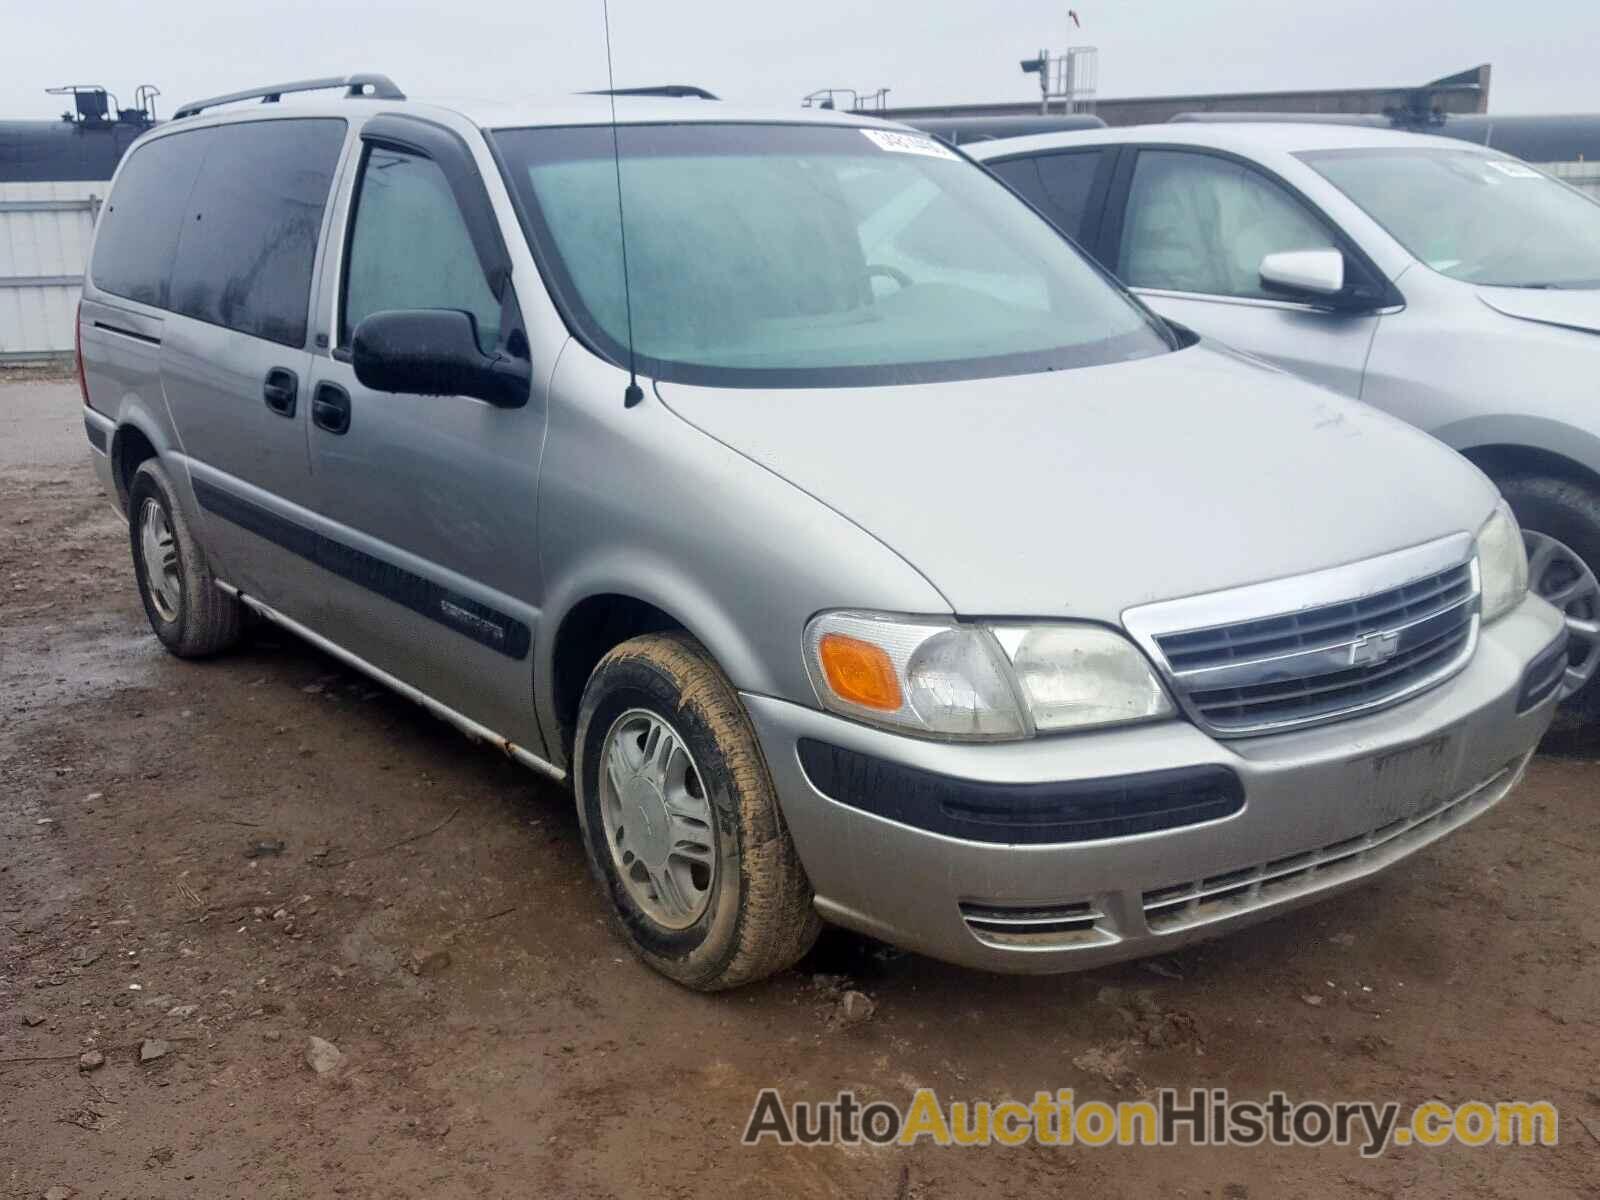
(159, 550)
(1557, 573)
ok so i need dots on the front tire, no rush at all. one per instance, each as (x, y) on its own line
(191, 615)
(1560, 521)
(681, 820)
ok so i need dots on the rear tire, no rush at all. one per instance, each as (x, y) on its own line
(1567, 513)
(191, 615)
(720, 899)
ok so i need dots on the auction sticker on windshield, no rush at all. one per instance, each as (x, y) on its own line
(1515, 170)
(906, 143)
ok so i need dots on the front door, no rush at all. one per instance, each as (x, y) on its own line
(1194, 228)
(428, 503)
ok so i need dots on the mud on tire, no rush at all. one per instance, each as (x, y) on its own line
(758, 918)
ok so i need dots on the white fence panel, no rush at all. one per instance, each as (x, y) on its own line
(44, 245)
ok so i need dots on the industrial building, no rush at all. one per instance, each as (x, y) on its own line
(1566, 145)
(1464, 92)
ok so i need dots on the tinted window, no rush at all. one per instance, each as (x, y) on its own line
(1058, 184)
(138, 233)
(1068, 182)
(409, 248)
(792, 256)
(1199, 223)
(1022, 177)
(251, 224)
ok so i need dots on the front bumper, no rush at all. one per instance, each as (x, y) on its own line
(1323, 809)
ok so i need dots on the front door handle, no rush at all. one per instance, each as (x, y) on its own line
(330, 408)
(279, 391)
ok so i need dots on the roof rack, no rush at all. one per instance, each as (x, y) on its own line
(675, 91)
(382, 88)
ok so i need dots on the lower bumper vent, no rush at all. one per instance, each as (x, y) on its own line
(1056, 925)
(1181, 905)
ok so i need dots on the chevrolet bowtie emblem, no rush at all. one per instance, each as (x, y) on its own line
(1374, 648)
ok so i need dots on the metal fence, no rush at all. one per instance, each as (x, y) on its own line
(44, 243)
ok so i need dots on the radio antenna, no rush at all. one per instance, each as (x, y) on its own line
(632, 394)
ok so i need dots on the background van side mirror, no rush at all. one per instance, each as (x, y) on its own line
(434, 352)
(1312, 275)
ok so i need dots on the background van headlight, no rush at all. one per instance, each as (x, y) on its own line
(1502, 564)
(978, 682)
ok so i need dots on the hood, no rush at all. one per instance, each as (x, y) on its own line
(1548, 306)
(1083, 492)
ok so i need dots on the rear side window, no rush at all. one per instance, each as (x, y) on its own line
(250, 228)
(1059, 185)
(138, 234)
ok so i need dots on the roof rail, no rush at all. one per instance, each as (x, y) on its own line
(382, 88)
(676, 91)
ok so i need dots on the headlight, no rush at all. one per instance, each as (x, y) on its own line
(931, 676)
(1077, 675)
(978, 682)
(1502, 564)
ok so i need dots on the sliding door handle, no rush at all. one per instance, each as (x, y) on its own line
(330, 408)
(280, 390)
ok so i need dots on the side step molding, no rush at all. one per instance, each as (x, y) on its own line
(466, 725)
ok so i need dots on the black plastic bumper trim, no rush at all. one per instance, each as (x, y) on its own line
(1543, 675)
(1081, 810)
(97, 437)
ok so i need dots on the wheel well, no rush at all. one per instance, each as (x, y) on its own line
(129, 448)
(1499, 461)
(588, 632)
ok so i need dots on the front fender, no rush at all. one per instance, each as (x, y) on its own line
(638, 502)
(658, 583)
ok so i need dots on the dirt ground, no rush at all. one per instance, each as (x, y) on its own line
(429, 914)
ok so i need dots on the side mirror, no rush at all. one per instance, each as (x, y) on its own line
(434, 352)
(1305, 274)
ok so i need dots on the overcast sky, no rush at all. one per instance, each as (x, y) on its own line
(925, 51)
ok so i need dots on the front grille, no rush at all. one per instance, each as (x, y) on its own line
(1182, 905)
(1325, 661)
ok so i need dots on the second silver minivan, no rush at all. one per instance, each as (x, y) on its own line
(855, 548)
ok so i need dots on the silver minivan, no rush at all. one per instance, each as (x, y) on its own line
(921, 581)
(1450, 285)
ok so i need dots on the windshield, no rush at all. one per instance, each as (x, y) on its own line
(787, 255)
(1473, 216)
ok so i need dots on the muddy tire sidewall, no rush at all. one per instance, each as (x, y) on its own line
(733, 941)
(207, 620)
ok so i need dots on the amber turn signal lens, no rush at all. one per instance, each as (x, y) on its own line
(859, 672)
